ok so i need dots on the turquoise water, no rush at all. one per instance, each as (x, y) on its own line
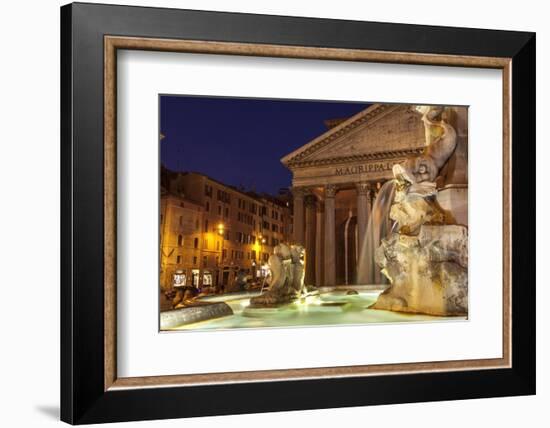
(330, 308)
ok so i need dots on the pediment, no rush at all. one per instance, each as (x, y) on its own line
(381, 131)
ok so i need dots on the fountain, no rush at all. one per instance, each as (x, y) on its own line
(426, 258)
(378, 227)
(413, 241)
(287, 266)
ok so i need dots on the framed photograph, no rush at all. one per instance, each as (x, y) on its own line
(266, 213)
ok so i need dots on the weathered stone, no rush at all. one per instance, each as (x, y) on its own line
(194, 313)
(411, 210)
(287, 277)
(454, 199)
(428, 272)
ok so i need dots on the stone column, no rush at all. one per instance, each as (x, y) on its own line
(363, 210)
(298, 215)
(319, 245)
(310, 232)
(330, 236)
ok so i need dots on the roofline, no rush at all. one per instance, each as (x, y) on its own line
(373, 111)
(257, 197)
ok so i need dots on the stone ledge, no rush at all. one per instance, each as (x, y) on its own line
(192, 314)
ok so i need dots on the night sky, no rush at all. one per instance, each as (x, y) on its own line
(240, 141)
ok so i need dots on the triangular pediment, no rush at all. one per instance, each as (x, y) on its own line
(378, 132)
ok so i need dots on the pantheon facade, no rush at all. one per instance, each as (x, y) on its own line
(337, 175)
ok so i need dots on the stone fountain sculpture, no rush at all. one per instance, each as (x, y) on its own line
(426, 258)
(287, 265)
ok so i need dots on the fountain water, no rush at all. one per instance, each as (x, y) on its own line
(379, 226)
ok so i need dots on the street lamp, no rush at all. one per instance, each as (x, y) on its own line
(221, 232)
(262, 242)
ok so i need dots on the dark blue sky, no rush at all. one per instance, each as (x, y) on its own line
(240, 141)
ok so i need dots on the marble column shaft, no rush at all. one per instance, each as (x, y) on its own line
(319, 245)
(363, 210)
(310, 231)
(298, 216)
(330, 236)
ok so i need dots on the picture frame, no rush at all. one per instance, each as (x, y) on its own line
(91, 391)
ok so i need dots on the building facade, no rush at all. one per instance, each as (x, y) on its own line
(337, 176)
(180, 240)
(228, 233)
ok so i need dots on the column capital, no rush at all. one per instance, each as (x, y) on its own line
(310, 200)
(330, 191)
(363, 188)
(300, 192)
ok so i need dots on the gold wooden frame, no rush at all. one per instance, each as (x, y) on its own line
(113, 43)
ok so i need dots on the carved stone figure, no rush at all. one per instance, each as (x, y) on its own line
(287, 265)
(426, 167)
(428, 272)
(426, 259)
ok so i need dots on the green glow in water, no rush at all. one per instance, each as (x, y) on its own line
(332, 308)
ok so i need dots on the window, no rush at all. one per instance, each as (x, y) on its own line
(223, 196)
(219, 210)
(180, 240)
(207, 207)
(178, 260)
(204, 261)
(196, 243)
(197, 224)
(194, 260)
(226, 212)
(217, 245)
(206, 244)
(206, 225)
(181, 220)
(253, 254)
(224, 254)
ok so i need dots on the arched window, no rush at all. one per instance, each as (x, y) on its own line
(180, 240)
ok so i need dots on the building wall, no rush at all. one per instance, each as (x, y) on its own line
(237, 232)
(180, 238)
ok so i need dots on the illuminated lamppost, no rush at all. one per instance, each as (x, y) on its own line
(221, 232)
(262, 242)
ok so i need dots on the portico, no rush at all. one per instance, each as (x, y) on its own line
(336, 177)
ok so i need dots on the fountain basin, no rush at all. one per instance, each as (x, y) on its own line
(330, 307)
(193, 314)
